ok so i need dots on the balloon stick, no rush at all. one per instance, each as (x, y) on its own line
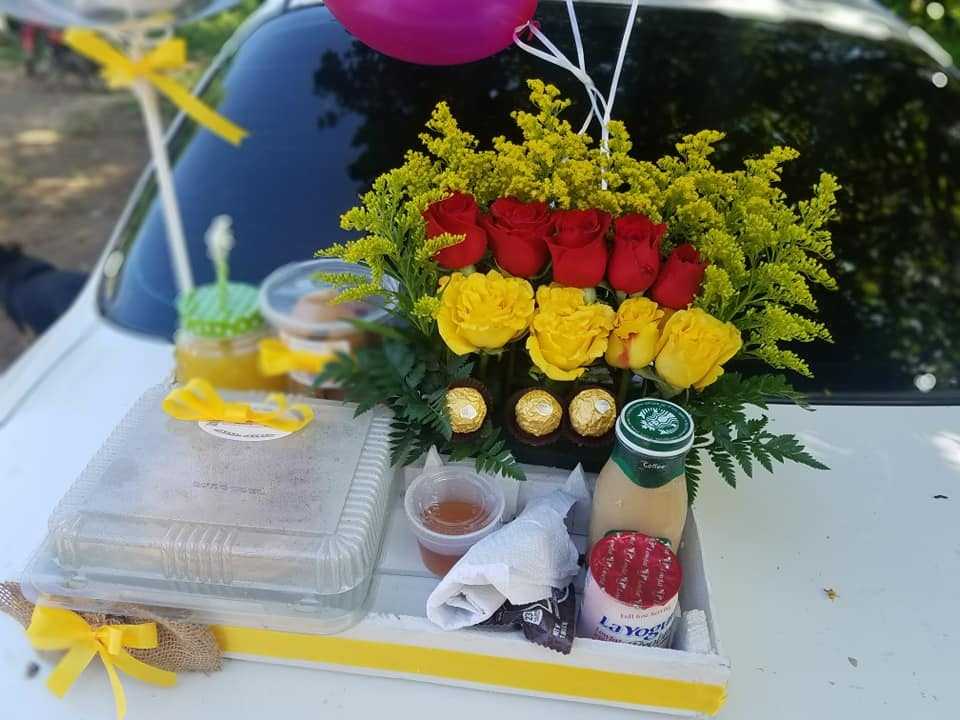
(176, 240)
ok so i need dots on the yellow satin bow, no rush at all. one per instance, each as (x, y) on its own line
(121, 71)
(197, 400)
(57, 629)
(278, 359)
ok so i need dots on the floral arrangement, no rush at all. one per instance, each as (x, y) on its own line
(556, 263)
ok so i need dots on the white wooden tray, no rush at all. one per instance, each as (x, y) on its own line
(395, 638)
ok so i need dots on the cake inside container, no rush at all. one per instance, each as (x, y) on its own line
(217, 528)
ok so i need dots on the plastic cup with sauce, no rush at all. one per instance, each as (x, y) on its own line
(309, 325)
(450, 510)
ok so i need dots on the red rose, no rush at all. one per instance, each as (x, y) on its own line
(578, 245)
(518, 235)
(635, 260)
(459, 215)
(680, 278)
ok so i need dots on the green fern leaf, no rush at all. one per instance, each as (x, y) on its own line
(724, 464)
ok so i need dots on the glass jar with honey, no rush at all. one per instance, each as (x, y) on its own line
(223, 350)
(221, 326)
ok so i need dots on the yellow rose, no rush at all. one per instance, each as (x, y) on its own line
(483, 312)
(567, 333)
(636, 330)
(692, 348)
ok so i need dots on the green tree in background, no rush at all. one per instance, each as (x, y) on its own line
(940, 18)
(206, 37)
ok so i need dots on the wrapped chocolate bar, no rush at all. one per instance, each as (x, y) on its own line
(548, 622)
(591, 415)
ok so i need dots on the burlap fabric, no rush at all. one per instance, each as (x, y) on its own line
(181, 647)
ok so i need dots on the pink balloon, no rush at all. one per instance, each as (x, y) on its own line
(434, 32)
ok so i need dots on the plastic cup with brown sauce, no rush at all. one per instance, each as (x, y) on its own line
(450, 510)
(643, 487)
(310, 326)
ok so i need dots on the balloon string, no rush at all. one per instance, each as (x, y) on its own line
(611, 98)
(556, 57)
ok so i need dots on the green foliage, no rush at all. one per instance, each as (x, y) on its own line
(10, 53)
(393, 242)
(945, 29)
(490, 453)
(764, 253)
(733, 437)
(410, 374)
(207, 36)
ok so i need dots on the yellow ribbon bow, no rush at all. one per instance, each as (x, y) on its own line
(57, 629)
(121, 71)
(197, 400)
(278, 359)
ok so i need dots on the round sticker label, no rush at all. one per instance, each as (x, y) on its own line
(243, 432)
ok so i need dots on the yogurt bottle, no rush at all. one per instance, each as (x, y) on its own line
(631, 594)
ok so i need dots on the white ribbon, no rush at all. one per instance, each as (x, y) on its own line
(600, 107)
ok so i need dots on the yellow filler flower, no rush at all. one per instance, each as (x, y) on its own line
(693, 347)
(483, 312)
(567, 333)
(636, 331)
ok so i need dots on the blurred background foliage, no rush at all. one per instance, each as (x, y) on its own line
(203, 38)
(206, 37)
(940, 18)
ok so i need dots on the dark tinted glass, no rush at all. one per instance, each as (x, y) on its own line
(327, 115)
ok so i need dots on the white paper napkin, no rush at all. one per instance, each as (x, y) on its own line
(521, 562)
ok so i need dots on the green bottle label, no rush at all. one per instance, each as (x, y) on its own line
(646, 471)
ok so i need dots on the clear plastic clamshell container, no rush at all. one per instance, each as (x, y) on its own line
(282, 533)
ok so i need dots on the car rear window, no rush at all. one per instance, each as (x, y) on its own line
(327, 115)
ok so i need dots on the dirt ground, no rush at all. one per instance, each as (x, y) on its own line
(68, 158)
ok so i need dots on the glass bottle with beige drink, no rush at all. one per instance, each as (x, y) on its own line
(642, 487)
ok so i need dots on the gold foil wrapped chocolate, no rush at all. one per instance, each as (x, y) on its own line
(593, 412)
(467, 409)
(538, 413)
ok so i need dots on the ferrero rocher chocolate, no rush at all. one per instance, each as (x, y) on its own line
(467, 409)
(593, 412)
(538, 413)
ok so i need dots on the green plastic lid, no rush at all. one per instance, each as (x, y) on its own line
(215, 311)
(655, 427)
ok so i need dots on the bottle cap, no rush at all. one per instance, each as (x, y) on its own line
(223, 309)
(636, 569)
(210, 312)
(655, 427)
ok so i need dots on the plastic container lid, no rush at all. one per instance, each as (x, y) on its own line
(655, 427)
(205, 313)
(636, 569)
(282, 532)
(454, 537)
(287, 285)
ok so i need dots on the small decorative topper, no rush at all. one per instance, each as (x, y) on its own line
(220, 242)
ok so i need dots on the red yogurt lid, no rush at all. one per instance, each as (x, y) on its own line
(636, 569)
